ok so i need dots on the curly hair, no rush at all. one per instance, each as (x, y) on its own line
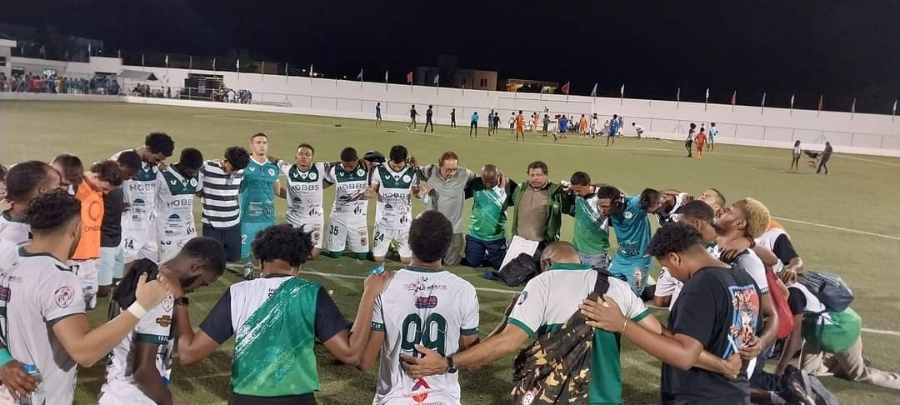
(130, 159)
(191, 158)
(674, 238)
(283, 242)
(756, 214)
(159, 142)
(209, 251)
(49, 212)
(108, 171)
(430, 235)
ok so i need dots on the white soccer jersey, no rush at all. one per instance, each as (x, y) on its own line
(422, 307)
(394, 209)
(753, 265)
(140, 195)
(43, 291)
(175, 203)
(671, 216)
(155, 327)
(350, 204)
(16, 232)
(305, 193)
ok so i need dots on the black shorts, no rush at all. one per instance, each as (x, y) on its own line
(305, 399)
(230, 238)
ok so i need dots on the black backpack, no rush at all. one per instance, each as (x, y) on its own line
(519, 270)
(829, 288)
(555, 369)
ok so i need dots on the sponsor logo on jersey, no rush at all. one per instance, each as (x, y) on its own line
(360, 172)
(522, 297)
(306, 187)
(193, 182)
(426, 302)
(271, 172)
(168, 303)
(64, 296)
(313, 176)
(136, 186)
(165, 321)
(406, 178)
(420, 397)
(252, 169)
(184, 202)
(628, 215)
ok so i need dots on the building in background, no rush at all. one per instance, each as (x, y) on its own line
(453, 76)
(531, 86)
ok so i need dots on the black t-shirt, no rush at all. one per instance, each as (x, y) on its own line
(428, 114)
(717, 306)
(784, 249)
(111, 229)
(413, 113)
(796, 301)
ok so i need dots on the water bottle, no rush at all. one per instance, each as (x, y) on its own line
(36, 397)
(89, 297)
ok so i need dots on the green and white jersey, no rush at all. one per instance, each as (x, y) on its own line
(140, 195)
(550, 299)
(422, 307)
(305, 193)
(175, 204)
(591, 227)
(394, 209)
(351, 206)
(488, 220)
(155, 328)
(43, 291)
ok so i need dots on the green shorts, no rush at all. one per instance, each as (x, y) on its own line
(248, 234)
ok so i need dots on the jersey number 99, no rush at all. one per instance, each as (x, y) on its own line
(432, 333)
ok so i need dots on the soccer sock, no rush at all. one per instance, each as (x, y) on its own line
(362, 256)
(333, 255)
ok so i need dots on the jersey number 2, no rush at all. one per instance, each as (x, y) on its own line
(432, 333)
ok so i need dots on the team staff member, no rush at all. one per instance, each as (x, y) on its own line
(111, 263)
(486, 241)
(221, 214)
(445, 192)
(47, 324)
(100, 180)
(539, 205)
(276, 320)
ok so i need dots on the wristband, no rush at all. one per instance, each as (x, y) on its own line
(5, 357)
(137, 310)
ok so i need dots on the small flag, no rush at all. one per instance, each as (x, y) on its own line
(437, 79)
(43, 50)
(895, 108)
(285, 68)
(792, 101)
(853, 106)
(89, 51)
(821, 102)
(214, 63)
(566, 87)
(119, 53)
(707, 94)
(622, 90)
(734, 98)
(678, 95)
(142, 59)
(191, 62)
(360, 75)
(237, 65)
(311, 70)
(385, 76)
(409, 77)
(594, 91)
(262, 68)
(764, 99)
(167, 60)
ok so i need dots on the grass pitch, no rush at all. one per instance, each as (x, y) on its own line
(845, 222)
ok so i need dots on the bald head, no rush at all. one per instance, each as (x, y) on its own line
(490, 175)
(559, 253)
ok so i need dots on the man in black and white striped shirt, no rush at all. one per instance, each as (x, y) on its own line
(221, 180)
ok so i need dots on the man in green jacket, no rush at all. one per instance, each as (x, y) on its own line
(539, 204)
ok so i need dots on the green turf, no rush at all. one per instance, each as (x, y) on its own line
(861, 194)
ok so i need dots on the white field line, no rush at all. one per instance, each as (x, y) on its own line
(837, 228)
(500, 290)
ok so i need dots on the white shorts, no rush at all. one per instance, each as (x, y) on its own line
(169, 247)
(139, 244)
(315, 231)
(381, 242)
(340, 235)
(88, 271)
(111, 264)
(119, 392)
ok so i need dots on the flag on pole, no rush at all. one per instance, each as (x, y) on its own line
(262, 68)
(622, 90)
(190, 62)
(894, 112)
(142, 59)
(43, 51)
(385, 76)
(853, 106)
(792, 101)
(437, 79)
(678, 95)
(89, 51)
(409, 77)
(707, 94)
(167, 60)
(764, 100)
(821, 102)
(237, 65)
(566, 87)
(214, 64)
(734, 98)
(360, 75)
(310, 70)
(285, 68)
(594, 91)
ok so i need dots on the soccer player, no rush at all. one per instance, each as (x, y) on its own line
(491, 194)
(349, 213)
(257, 196)
(440, 313)
(306, 181)
(717, 312)
(111, 263)
(512, 123)
(632, 229)
(276, 320)
(24, 182)
(582, 126)
(547, 126)
(664, 204)
(412, 118)
(100, 180)
(491, 122)
(520, 126)
(140, 366)
(139, 239)
(220, 183)
(824, 158)
(47, 324)
(701, 216)
(453, 118)
(176, 187)
(429, 114)
(473, 125)
(591, 237)
(547, 302)
(689, 141)
(535, 119)
(613, 130)
(713, 132)
(71, 169)
(595, 125)
(377, 114)
(639, 129)
(700, 141)
(394, 184)
(496, 122)
(795, 157)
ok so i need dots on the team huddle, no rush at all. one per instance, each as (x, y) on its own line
(125, 227)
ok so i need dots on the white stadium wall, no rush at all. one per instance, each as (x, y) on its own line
(745, 125)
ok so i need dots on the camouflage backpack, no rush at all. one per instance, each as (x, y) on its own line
(555, 369)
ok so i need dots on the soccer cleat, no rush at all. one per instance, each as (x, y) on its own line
(248, 271)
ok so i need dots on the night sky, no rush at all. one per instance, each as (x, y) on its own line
(840, 49)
